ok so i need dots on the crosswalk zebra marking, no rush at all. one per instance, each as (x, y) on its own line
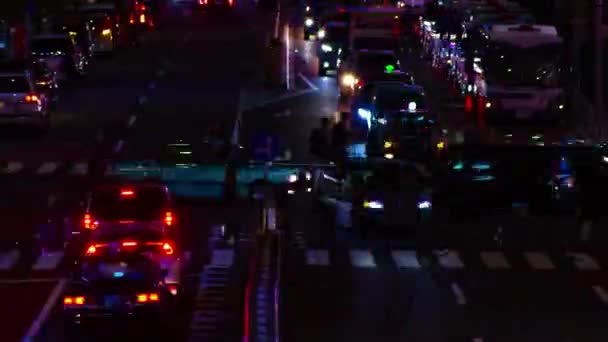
(13, 167)
(47, 167)
(8, 259)
(48, 261)
(450, 260)
(584, 262)
(539, 261)
(495, 260)
(406, 259)
(317, 257)
(362, 258)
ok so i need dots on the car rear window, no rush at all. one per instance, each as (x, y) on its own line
(48, 45)
(14, 84)
(375, 62)
(146, 204)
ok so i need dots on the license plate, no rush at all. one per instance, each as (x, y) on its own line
(111, 301)
(523, 114)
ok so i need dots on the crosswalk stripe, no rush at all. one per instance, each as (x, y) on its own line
(406, 259)
(47, 167)
(539, 261)
(13, 167)
(450, 260)
(317, 257)
(362, 258)
(584, 262)
(80, 168)
(495, 260)
(222, 257)
(48, 261)
(8, 259)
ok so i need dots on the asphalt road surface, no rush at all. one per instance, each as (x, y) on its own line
(186, 77)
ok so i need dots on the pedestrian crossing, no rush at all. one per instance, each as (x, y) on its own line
(462, 260)
(45, 168)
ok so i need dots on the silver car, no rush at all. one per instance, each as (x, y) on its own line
(20, 101)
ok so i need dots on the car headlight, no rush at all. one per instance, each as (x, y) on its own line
(349, 80)
(388, 144)
(373, 205)
(321, 34)
(326, 47)
(424, 204)
(308, 22)
(106, 32)
(364, 114)
(292, 178)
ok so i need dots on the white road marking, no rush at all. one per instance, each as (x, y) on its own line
(539, 261)
(406, 259)
(362, 258)
(46, 311)
(460, 298)
(28, 281)
(13, 167)
(584, 262)
(280, 98)
(495, 260)
(8, 259)
(222, 258)
(308, 82)
(317, 257)
(118, 146)
(601, 294)
(450, 260)
(80, 168)
(48, 261)
(47, 167)
(132, 120)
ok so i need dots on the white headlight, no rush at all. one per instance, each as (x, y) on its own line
(326, 47)
(321, 34)
(308, 22)
(364, 114)
(349, 80)
(292, 178)
(424, 205)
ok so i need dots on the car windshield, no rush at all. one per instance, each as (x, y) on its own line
(371, 62)
(14, 84)
(399, 98)
(146, 204)
(52, 45)
(126, 232)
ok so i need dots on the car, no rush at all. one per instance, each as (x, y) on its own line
(117, 286)
(143, 205)
(333, 38)
(22, 100)
(380, 194)
(361, 63)
(60, 54)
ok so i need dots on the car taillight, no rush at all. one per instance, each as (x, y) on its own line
(129, 243)
(127, 193)
(89, 222)
(142, 18)
(172, 289)
(31, 98)
(147, 297)
(169, 218)
(70, 300)
(167, 248)
(230, 2)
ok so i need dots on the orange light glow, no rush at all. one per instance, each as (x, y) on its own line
(129, 243)
(142, 18)
(79, 300)
(153, 297)
(169, 218)
(68, 301)
(91, 250)
(168, 248)
(142, 298)
(127, 193)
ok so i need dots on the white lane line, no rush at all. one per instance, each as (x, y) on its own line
(280, 98)
(539, 261)
(450, 260)
(80, 168)
(222, 258)
(601, 293)
(406, 259)
(28, 281)
(48, 261)
(13, 167)
(118, 146)
(132, 120)
(460, 298)
(584, 262)
(8, 259)
(46, 311)
(362, 258)
(287, 58)
(308, 82)
(495, 260)
(47, 167)
(317, 257)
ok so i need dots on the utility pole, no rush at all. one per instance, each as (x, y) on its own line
(598, 74)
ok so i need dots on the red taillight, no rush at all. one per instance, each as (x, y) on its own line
(92, 250)
(360, 83)
(127, 193)
(131, 19)
(169, 218)
(31, 98)
(172, 289)
(468, 103)
(230, 2)
(167, 248)
(142, 18)
(147, 297)
(129, 243)
(89, 222)
(69, 300)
